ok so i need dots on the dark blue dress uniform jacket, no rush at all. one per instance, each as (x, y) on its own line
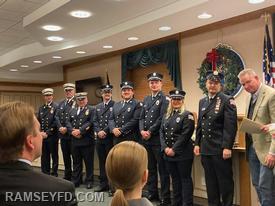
(46, 118)
(126, 118)
(63, 114)
(217, 124)
(176, 133)
(101, 120)
(151, 115)
(83, 122)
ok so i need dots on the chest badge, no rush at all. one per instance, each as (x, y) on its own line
(73, 106)
(111, 109)
(98, 110)
(87, 112)
(218, 105)
(51, 111)
(129, 109)
(157, 102)
(178, 119)
(202, 109)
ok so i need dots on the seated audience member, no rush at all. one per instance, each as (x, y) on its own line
(20, 145)
(126, 168)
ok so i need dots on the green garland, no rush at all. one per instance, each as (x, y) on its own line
(230, 64)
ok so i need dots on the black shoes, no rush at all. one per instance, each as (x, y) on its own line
(165, 202)
(89, 185)
(101, 188)
(111, 193)
(153, 197)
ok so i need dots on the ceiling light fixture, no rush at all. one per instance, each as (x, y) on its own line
(165, 28)
(55, 38)
(132, 38)
(255, 1)
(204, 15)
(56, 57)
(81, 52)
(37, 61)
(81, 14)
(107, 47)
(52, 27)
(24, 66)
(14, 70)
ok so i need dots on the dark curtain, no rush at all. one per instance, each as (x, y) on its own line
(167, 53)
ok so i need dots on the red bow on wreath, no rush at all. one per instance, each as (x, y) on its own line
(212, 58)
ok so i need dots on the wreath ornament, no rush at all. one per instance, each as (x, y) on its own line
(225, 60)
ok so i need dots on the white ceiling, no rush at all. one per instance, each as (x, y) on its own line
(22, 40)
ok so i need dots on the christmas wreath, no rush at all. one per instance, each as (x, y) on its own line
(225, 60)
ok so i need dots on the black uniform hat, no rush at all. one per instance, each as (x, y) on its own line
(154, 76)
(214, 76)
(127, 85)
(177, 94)
(106, 87)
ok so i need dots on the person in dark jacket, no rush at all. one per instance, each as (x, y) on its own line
(62, 115)
(176, 131)
(46, 118)
(123, 122)
(104, 138)
(215, 136)
(80, 128)
(154, 107)
(21, 144)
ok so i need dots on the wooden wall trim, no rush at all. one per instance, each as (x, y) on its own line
(22, 84)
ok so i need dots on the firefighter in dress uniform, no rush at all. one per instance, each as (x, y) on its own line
(123, 122)
(62, 115)
(215, 135)
(46, 118)
(176, 131)
(80, 128)
(104, 138)
(154, 107)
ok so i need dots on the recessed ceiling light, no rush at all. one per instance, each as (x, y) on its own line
(255, 1)
(51, 27)
(81, 14)
(165, 28)
(55, 38)
(132, 38)
(80, 52)
(56, 57)
(37, 61)
(14, 70)
(107, 47)
(24, 66)
(204, 15)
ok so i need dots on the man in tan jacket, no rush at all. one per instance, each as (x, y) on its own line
(260, 147)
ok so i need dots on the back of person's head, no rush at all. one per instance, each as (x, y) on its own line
(126, 168)
(16, 123)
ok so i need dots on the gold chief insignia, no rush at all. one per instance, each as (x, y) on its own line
(87, 112)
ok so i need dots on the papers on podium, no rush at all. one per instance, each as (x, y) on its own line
(250, 126)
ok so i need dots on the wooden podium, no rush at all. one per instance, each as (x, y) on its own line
(244, 174)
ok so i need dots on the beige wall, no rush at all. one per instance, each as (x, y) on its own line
(245, 38)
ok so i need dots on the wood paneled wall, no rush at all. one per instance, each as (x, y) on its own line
(139, 78)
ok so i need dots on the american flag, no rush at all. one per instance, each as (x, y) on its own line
(268, 60)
